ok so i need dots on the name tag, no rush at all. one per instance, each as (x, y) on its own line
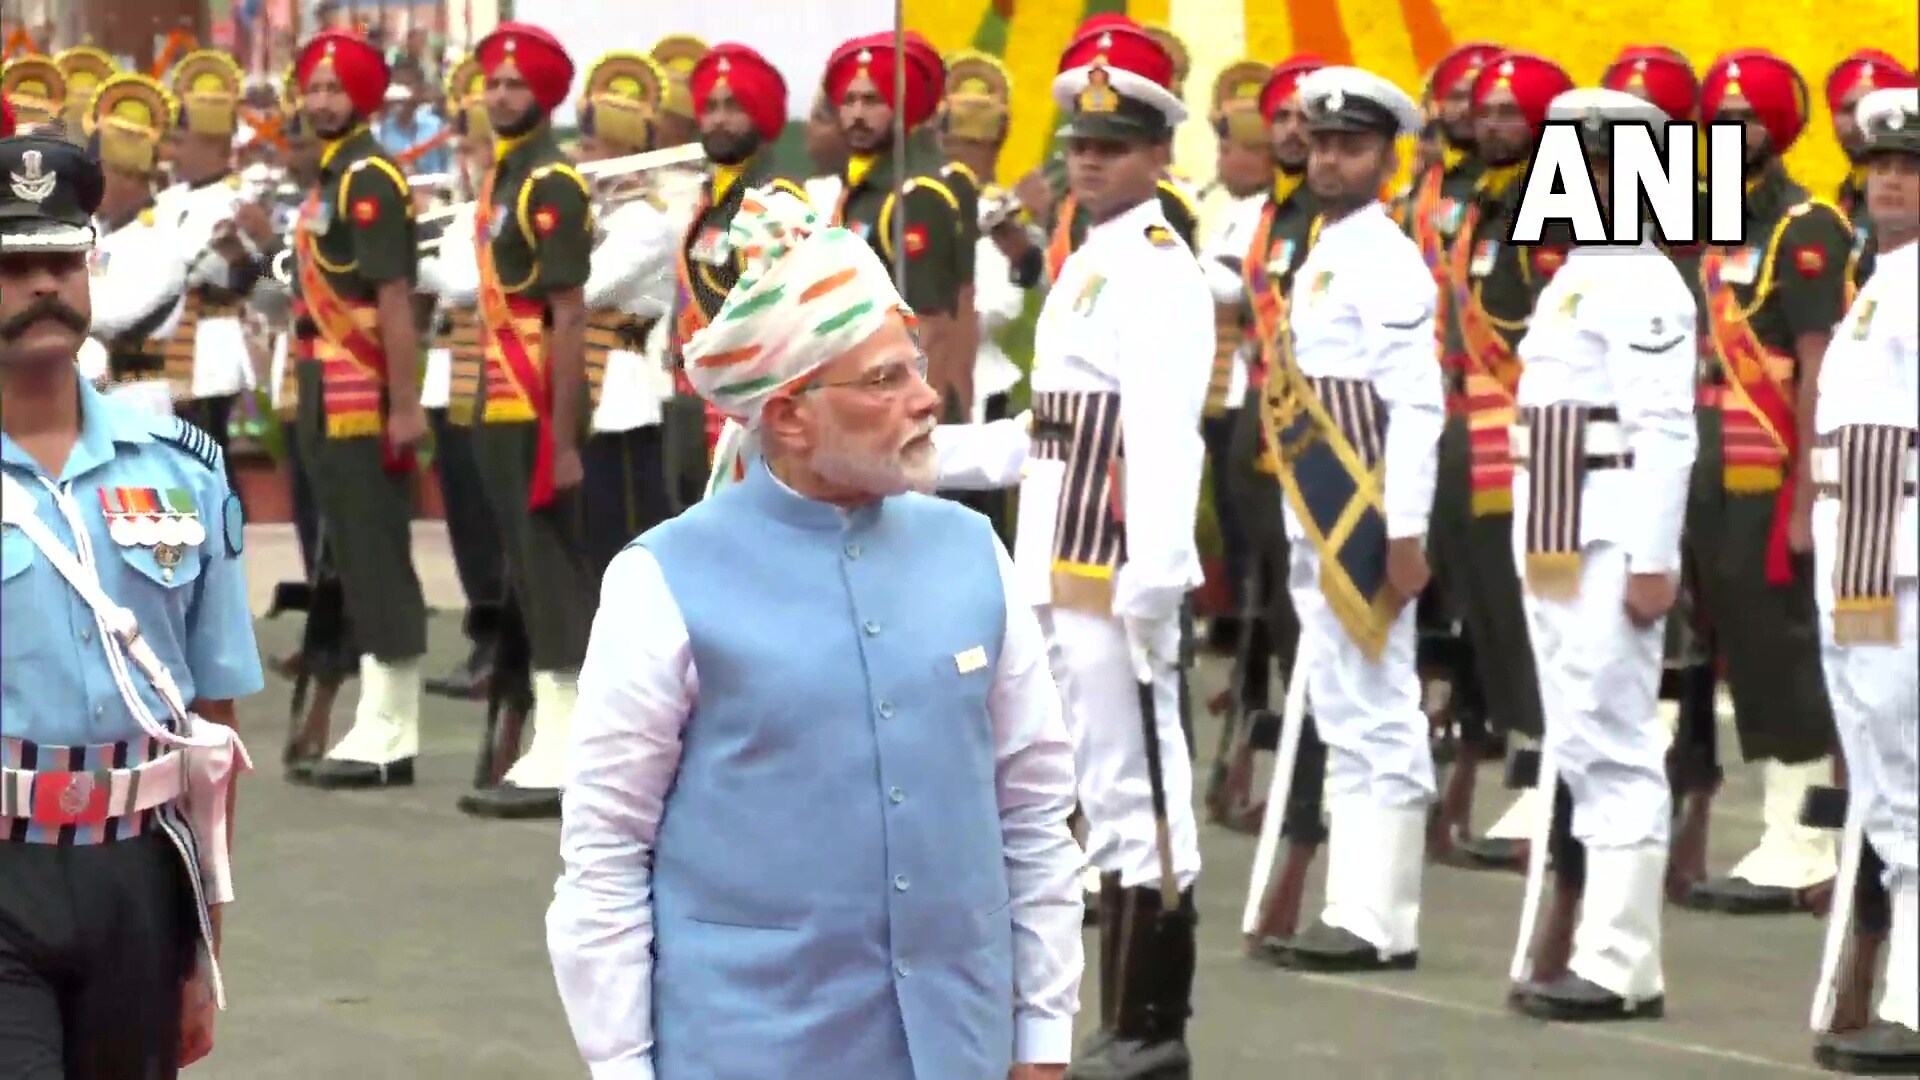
(1740, 269)
(498, 222)
(97, 261)
(1282, 262)
(1446, 217)
(711, 247)
(972, 660)
(1483, 257)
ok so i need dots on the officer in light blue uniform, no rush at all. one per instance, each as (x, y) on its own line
(102, 889)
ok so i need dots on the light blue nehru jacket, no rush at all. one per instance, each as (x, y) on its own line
(829, 885)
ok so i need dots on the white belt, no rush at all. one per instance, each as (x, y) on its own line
(1604, 438)
(1826, 465)
(89, 798)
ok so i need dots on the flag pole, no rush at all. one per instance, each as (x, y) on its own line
(899, 222)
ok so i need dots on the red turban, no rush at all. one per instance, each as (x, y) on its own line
(1534, 80)
(359, 66)
(756, 85)
(540, 59)
(1868, 67)
(1663, 73)
(1284, 80)
(6, 118)
(873, 56)
(1775, 90)
(1463, 62)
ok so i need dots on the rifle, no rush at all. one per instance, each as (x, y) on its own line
(325, 604)
(509, 698)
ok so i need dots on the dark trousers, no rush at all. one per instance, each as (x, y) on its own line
(626, 490)
(477, 556)
(547, 566)
(96, 943)
(306, 505)
(1218, 434)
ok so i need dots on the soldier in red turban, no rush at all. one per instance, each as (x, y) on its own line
(1849, 81)
(1657, 74)
(1450, 89)
(528, 76)
(1769, 307)
(356, 89)
(1510, 98)
(733, 77)
(934, 239)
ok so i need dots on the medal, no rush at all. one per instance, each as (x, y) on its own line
(146, 531)
(168, 556)
(169, 532)
(192, 533)
(120, 527)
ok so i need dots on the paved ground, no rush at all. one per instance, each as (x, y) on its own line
(387, 936)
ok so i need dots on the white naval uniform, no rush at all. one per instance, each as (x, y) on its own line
(1362, 309)
(451, 274)
(996, 302)
(1133, 318)
(633, 272)
(1871, 375)
(133, 271)
(1613, 329)
(221, 364)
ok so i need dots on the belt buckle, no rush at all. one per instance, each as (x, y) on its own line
(73, 798)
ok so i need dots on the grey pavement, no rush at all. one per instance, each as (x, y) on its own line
(385, 935)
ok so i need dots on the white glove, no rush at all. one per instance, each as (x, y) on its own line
(1152, 644)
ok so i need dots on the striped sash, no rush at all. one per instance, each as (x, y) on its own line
(1082, 430)
(1874, 484)
(462, 340)
(1556, 460)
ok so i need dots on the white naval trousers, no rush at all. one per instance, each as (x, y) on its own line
(1102, 705)
(1379, 765)
(1875, 690)
(1600, 696)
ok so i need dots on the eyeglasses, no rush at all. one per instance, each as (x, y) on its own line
(886, 380)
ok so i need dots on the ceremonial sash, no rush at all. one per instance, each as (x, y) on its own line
(1757, 438)
(1433, 246)
(468, 357)
(1555, 441)
(1329, 437)
(1082, 430)
(1492, 376)
(1060, 244)
(1269, 316)
(353, 364)
(514, 336)
(1873, 484)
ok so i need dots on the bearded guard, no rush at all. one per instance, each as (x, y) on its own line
(358, 414)
(534, 239)
(1768, 310)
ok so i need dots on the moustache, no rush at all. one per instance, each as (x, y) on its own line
(47, 307)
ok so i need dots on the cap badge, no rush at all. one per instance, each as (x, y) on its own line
(1640, 66)
(725, 65)
(1336, 100)
(1593, 121)
(1866, 73)
(513, 45)
(1106, 41)
(865, 57)
(1506, 67)
(1098, 96)
(33, 185)
(1733, 70)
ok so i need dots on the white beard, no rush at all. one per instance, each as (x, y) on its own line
(878, 475)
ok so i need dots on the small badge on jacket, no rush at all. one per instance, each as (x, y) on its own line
(970, 661)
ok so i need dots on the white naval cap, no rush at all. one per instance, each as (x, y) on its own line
(1354, 99)
(1595, 110)
(1889, 120)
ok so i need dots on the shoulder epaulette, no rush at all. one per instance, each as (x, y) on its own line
(1162, 237)
(790, 188)
(191, 440)
(233, 181)
(1179, 196)
(146, 216)
(1814, 201)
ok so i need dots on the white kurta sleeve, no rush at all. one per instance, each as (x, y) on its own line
(980, 457)
(1649, 330)
(1034, 774)
(1165, 338)
(636, 690)
(1396, 313)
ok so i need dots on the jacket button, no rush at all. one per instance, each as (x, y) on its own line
(900, 883)
(886, 709)
(896, 796)
(872, 628)
(853, 551)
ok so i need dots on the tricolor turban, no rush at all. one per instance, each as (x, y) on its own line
(808, 293)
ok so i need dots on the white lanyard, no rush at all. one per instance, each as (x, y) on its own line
(119, 632)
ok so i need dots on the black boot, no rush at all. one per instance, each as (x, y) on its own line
(1115, 914)
(1879, 1049)
(1155, 991)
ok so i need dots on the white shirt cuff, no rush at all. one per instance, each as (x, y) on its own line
(626, 1068)
(1040, 1040)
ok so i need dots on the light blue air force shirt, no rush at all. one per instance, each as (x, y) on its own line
(190, 599)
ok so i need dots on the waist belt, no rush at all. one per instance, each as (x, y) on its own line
(1604, 444)
(1827, 472)
(84, 799)
(219, 309)
(1871, 466)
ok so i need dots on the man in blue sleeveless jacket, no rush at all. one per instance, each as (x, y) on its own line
(818, 782)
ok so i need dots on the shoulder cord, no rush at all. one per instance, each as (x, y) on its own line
(117, 625)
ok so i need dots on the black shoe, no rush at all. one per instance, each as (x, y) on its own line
(299, 768)
(1738, 896)
(1332, 949)
(331, 774)
(1572, 999)
(1879, 1049)
(1148, 1041)
(1492, 853)
(511, 802)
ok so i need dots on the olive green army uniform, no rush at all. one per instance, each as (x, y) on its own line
(538, 218)
(1487, 293)
(934, 237)
(359, 223)
(1789, 280)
